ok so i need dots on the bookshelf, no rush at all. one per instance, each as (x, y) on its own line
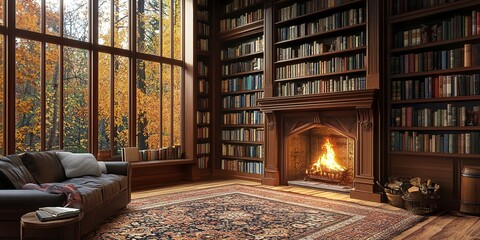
(241, 81)
(433, 90)
(319, 47)
(204, 86)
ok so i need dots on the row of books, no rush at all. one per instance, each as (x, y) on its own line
(203, 161)
(242, 100)
(236, 5)
(203, 86)
(318, 47)
(203, 132)
(335, 64)
(203, 3)
(244, 134)
(203, 148)
(202, 68)
(174, 152)
(467, 56)
(460, 143)
(242, 166)
(202, 15)
(343, 84)
(202, 44)
(202, 102)
(241, 20)
(458, 26)
(402, 6)
(246, 83)
(203, 117)
(243, 48)
(437, 87)
(203, 29)
(243, 66)
(243, 117)
(451, 116)
(253, 151)
(337, 20)
(302, 8)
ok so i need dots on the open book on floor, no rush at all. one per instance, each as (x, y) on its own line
(55, 213)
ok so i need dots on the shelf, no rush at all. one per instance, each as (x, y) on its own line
(435, 44)
(436, 72)
(241, 92)
(237, 174)
(433, 100)
(147, 164)
(203, 53)
(351, 50)
(321, 75)
(321, 34)
(242, 57)
(203, 109)
(203, 139)
(242, 31)
(443, 155)
(243, 142)
(202, 76)
(203, 124)
(241, 10)
(466, 128)
(240, 109)
(241, 74)
(243, 126)
(425, 12)
(203, 154)
(309, 15)
(242, 158)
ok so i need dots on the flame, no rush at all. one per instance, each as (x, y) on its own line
(327, 160)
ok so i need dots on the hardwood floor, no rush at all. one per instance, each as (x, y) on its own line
(446, 225)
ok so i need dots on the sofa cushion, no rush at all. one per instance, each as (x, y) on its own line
(79, 164)
(13, 170)
(44, 166)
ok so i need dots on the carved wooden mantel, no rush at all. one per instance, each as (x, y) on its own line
(284, 112)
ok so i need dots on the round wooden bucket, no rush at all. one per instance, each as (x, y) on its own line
(470, 193)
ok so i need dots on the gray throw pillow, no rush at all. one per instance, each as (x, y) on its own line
(79, 164)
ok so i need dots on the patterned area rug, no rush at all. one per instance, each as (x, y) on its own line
(244, 212)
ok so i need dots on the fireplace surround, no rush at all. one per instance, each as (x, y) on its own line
(353, 114)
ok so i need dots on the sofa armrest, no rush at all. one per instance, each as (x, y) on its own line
(120, 168)
(16, 202)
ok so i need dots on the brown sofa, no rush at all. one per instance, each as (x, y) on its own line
(101, 196)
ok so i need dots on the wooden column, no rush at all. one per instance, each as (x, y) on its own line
(272, 143)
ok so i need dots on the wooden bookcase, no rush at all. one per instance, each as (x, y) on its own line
(240, 83)
(319, 47)
(204, 115)
(433, 91)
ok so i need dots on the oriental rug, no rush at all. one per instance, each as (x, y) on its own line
(245, 212)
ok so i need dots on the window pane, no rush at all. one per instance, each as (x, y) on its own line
(121, 102)
(27, 95)
(121, 24)
(166, 105)
(75, 19)
(75, 100)
(177, 31)
(177, 105)
(52, 97)
(148, 105)
(166, 28)
(104, 97)
(1, 17)
(104, 29)
(28, 15)
(148, 32)
(2, 78)
(52, 17)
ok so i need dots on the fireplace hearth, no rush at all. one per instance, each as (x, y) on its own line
(299, 126)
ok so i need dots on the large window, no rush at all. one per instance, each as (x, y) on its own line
(84, 84)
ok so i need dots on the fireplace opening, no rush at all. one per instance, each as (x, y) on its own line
(320, 156)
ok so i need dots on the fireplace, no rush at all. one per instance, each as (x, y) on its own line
(298, 127)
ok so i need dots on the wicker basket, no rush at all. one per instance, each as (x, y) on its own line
(420, 206)
(395, 200)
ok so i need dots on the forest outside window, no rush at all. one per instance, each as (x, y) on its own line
(84, 84)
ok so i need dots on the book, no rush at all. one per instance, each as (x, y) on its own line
(55, 213)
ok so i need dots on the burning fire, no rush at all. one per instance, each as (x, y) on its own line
(327, 160)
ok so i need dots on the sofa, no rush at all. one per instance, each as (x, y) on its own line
(100, 190)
